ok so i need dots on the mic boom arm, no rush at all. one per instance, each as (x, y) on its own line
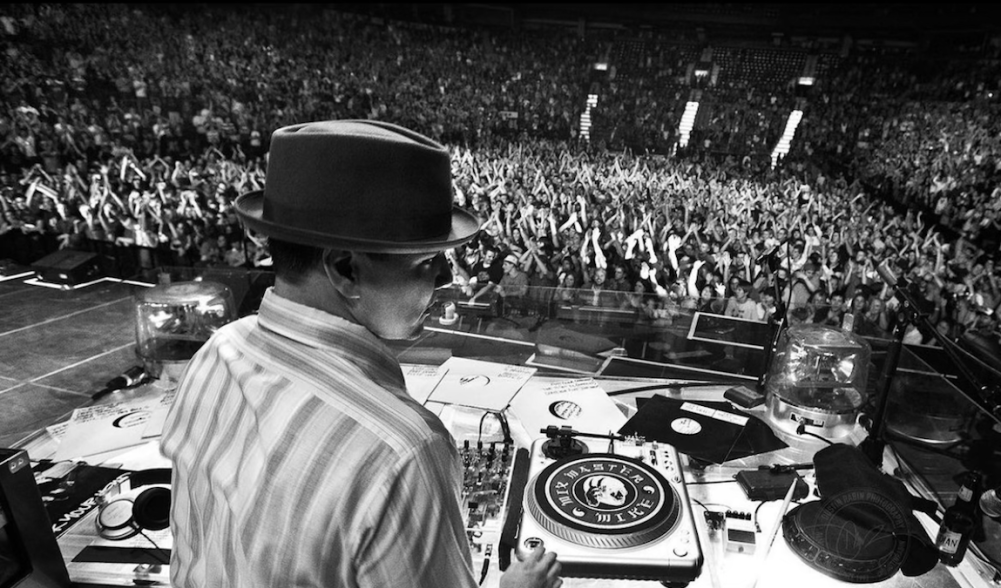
(989, 393)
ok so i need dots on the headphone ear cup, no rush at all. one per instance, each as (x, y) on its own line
(151, 509)
(115, 519)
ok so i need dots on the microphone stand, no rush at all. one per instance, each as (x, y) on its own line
(777, 322)
(872, 446)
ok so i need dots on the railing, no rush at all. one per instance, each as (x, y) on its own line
(612, 307)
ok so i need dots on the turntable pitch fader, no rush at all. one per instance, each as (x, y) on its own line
(609, 507)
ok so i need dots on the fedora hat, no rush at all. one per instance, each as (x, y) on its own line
(360, 185)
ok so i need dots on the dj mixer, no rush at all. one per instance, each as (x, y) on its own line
(486, 480)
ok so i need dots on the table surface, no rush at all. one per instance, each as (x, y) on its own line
(775, 567)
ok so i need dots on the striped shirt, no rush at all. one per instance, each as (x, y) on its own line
(300, 460)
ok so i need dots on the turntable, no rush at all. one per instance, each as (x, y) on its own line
(610, 509)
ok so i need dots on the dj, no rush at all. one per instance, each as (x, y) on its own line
(299, 458)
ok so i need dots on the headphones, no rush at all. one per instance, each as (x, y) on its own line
(124, 517)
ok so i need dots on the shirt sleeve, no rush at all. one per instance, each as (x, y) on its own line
(417, 537)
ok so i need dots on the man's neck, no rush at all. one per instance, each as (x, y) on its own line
(316, 292)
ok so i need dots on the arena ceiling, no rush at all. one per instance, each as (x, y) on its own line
(871, 19)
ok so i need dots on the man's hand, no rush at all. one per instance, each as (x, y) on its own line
(538, 570)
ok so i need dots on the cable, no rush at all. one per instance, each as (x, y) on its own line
(505, 428)
(479, 435)
(158, 551)
(708, 504)
(710, 523)
(486, 563)
(801, 430)
(754, 517)
(713, 518)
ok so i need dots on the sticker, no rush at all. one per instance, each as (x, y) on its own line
(565, 409)
(131, 419)
(686, 426)
(474, 381)
(712, 413)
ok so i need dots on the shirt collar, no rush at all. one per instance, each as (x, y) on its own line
(317, 328)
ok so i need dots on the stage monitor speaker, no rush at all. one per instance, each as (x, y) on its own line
(29, 554)
(68, 267)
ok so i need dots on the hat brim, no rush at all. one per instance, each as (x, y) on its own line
(250, 208)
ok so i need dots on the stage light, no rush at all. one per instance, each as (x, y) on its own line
(817, 380)
(174, 320)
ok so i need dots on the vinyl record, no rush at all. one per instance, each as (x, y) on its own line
(604, 501)
(709, 431)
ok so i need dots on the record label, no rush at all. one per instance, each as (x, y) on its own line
(686, 426)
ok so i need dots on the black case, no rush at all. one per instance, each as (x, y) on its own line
(745, 397)
(765, 485)
(30, 556)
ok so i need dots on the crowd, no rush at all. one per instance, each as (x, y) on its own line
(927, 143)
(667, 237)
(139, 130)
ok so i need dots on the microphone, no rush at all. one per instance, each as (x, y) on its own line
(771, 257)
(887, 275)
(900, 285)
(133, 376)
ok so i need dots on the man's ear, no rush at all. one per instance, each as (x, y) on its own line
(339, 266)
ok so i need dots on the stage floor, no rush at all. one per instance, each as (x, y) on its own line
(57, 347)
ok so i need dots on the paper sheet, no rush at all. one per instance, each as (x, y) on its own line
(107, 427)
(422, 379)
(480, 384)
(158, 416)
(580, 404)
(57, 430)
(141, 457)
